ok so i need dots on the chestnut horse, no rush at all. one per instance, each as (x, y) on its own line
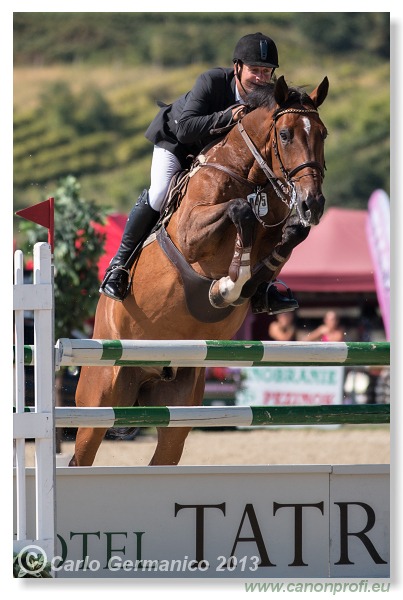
(249, 200)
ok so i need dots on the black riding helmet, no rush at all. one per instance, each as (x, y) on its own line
(256, 49)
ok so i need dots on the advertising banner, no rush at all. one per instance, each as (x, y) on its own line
(289, 521)
(288, 386)
(378, 233)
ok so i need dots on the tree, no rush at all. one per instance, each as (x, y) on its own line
(78, 248)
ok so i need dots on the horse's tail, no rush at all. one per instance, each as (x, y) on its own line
(123, 433)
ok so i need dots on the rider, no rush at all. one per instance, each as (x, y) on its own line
(182, 129)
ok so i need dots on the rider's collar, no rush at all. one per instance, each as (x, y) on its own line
(238, 96)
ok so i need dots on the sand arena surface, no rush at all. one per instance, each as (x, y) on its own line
(294, 445)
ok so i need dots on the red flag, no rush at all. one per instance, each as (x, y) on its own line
(42, 214)
(39, 213)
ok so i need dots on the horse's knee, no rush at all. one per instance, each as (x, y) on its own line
(241, 214)
(294, 234)
(238, 210)
(301, 233)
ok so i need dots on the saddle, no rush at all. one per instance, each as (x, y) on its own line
(176, 191)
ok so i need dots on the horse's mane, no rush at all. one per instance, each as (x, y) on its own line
(263, 96)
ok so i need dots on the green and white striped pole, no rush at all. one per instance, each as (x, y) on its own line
(202, 353)
(221, 416)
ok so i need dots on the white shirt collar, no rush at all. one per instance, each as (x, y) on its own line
(237, 95)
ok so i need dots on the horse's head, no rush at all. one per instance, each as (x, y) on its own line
(298, 146)
(296, 138)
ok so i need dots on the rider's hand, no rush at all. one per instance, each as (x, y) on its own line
(238, 112)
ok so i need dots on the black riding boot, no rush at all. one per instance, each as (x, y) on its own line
(268, 299)
(141, 220)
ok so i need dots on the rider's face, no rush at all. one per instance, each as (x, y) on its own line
(252, 76)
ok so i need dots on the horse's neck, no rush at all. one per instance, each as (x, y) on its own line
(256, 127)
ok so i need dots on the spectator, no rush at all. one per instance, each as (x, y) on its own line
(283, 328)
(329, 331)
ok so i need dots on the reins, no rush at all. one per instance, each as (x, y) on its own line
(232, 174)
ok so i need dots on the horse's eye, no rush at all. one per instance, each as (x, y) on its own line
(324, 134)
(284, 135)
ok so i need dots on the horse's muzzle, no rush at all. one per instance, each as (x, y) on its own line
(312, 209)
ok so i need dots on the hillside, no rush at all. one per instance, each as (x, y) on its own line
(84, 112)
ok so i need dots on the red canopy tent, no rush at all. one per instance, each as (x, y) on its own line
(113, 229)
(334, 258)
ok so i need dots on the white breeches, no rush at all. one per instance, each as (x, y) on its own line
(164, 165)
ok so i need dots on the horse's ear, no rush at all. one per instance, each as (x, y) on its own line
(281, 91)
(319, 94)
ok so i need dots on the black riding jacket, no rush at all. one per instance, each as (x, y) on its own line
(184, 127)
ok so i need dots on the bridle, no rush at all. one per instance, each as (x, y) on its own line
(288, 176)
(285, 191)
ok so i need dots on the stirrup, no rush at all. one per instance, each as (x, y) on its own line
(293, 302)
(261, 303)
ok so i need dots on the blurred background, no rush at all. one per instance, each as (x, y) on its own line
(86, 86)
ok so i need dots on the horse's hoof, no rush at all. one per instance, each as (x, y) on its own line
(216, 298)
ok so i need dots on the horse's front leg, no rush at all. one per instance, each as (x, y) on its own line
(269, 268)
(227, 290)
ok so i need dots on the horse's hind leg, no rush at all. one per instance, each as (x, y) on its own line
(187, 389)
(93, 390)
(88, 441)
(97, 387)
(170, 445)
